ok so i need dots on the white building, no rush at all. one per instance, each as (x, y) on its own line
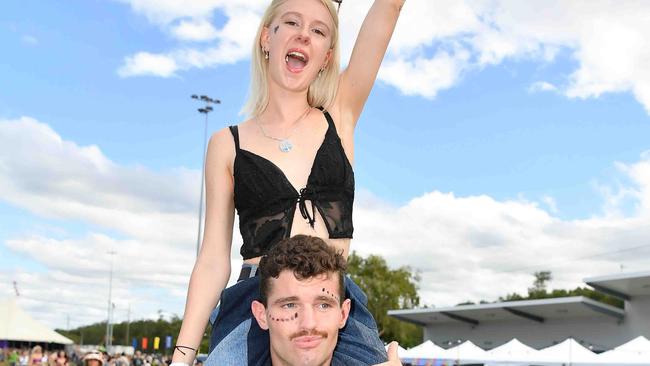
(542, 323)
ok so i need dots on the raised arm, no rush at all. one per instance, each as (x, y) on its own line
(368, 52)
(212, 268)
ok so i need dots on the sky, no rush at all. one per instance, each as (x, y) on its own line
(501, 138)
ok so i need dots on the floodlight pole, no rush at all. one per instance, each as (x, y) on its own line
(110, 303)
(128, 323)
(205, 110)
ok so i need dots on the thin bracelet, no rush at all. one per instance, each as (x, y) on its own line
(181, 351)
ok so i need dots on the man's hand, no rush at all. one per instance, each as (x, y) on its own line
(393, 358)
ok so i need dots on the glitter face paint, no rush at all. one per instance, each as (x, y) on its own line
(276, 319)
(332, 294)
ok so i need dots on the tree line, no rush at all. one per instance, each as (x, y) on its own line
(386, 288)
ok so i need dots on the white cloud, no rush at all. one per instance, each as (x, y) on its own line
(167, 11)
(467, 248)
(543, 86)
(607, 40)
(195, 30)
(148, 218)
(427, 76)
(145, 63)
(476, 248)
(49, 176)
(233, 45)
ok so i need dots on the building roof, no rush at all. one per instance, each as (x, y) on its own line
(622, 285)
(17, 325)
(528, 310)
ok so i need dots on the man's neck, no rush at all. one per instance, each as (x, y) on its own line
(276, 360)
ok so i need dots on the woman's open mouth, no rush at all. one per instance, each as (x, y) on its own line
(296, 60)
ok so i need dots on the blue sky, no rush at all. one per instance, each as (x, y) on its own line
(491, 131)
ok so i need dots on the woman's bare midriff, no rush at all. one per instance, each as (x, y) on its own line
(301, 226)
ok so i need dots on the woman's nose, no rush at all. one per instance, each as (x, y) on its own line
(303, 37)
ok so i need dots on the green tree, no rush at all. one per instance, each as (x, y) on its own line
(388, 289)
(95, 333)
(538, 291)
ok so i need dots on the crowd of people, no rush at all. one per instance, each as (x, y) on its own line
(36, 356)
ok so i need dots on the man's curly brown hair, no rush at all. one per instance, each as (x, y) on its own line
(306, 256)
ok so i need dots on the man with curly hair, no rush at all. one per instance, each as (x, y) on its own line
(302, 302)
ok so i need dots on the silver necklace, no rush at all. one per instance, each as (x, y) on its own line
(284, 144)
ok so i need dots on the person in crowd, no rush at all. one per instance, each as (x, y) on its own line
(24, 358)
(137, 359)
(51, 358)
(36, 357)
(122, 360)
(286, 170)
(13, 359)
(61, 358)
(94, 358)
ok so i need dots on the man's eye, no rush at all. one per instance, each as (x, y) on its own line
(289, 305)
(324, 306)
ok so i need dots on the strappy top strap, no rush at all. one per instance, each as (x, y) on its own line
(235, 135)
(329, 119)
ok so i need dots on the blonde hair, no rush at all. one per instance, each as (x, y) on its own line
(322, 90)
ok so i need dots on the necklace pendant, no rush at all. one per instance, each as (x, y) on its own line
(285, 145)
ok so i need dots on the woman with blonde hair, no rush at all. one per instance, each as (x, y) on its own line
(36, 356)
(286, 170)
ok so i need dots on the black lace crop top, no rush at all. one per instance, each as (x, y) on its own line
(266, 200)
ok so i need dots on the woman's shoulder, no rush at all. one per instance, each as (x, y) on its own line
(221, 146)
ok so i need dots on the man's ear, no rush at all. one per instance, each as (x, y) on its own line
(259, 312)
(345, 312)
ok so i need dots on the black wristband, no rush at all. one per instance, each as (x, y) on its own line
(186, 347)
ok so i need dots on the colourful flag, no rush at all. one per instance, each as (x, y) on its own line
(156, 343)
(168, 342)
(134, 342)
(145, 342)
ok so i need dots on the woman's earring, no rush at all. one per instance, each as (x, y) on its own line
(266, 54)
(320, 72)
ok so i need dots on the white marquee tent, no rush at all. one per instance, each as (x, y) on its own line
(514, 353)
(634, 352)
(17, 325)
(426, 350)
(468, 352)
(567, 352)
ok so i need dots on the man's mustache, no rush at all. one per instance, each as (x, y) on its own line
(306, 332)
